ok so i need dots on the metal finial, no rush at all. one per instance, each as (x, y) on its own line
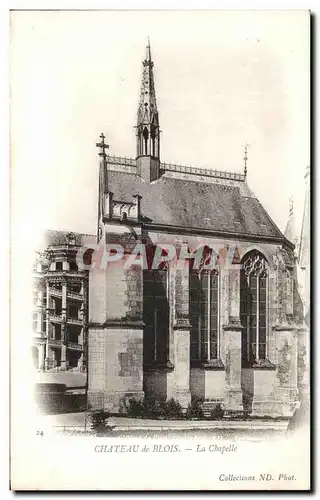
(102, 145)
(245, 146)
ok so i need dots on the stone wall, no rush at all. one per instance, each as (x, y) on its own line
(258, 386)
(155, 384)
(115, 366)
(116, 334)
(207, 384)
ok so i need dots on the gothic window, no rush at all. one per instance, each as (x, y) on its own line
(146, 137)
(139, 143)
(155, 315)
(153, 138)
(253, 307)
(204, 314)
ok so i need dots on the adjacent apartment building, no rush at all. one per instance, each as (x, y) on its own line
(60, 304)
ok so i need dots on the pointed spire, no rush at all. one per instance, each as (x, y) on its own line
(304, 250)
(291, 232)
(148, 132)
(290, 206)
(148, 51)
(304, 247)
(147, 110)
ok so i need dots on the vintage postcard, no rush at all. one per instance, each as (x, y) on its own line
(160, 250)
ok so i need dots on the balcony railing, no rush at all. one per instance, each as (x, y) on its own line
(74, 295)
(74, 321)
(70, 274)
(74, 346)
(56, 318)
(55, 343)
(70, 295)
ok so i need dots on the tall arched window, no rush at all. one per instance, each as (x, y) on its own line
(139, 145)
(145, 137)
(204, 314)
(253, 307)
(155, 311)
(153, 137)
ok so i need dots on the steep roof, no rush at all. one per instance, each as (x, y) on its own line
(196, 205)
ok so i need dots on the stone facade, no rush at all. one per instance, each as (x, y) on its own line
(245, 348)
(116, 353)
(233, 334)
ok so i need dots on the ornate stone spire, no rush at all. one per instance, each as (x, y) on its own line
(147, 110)
(304, 251)
(148, 133)
(304, 247)
(291, 232)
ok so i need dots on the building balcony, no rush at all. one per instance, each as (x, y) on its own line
(70, 295)
(55, 318)
(75, 296)
(75, 321)
(55, 343)
(74, 346)
(67, 274)
(58, 318)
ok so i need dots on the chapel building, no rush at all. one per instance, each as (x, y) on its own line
(232, 334)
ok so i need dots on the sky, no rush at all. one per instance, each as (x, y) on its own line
(222, 78)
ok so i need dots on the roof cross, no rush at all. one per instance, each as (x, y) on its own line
(102, 145)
